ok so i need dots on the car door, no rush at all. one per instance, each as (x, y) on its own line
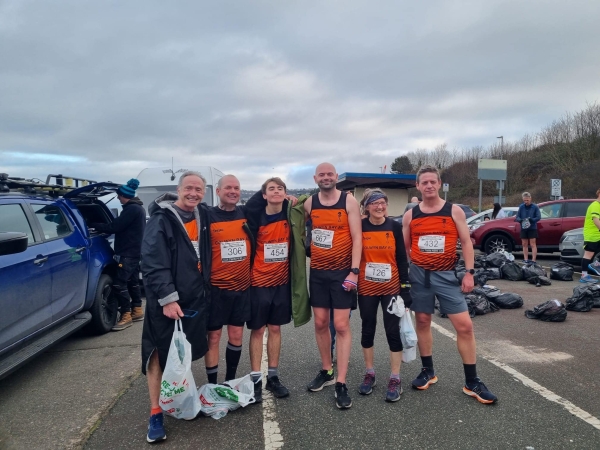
(25, 279)
(550, 227)
(68, 257)
(574, 214)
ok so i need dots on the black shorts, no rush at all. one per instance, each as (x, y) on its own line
(228, 308)
(270, 306)
(529, 234)
(591, 246)
(326, 290)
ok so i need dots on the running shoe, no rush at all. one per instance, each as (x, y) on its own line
(321, 380)
(394, 390)
(526, 261)
(424, 379)
(594, 268)
(343, 400)
(156, 428)
(275, 386)
(258, 391)
(478, 390)
(587, 279)
(367, 385)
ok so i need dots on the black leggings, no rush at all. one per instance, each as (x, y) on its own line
(368, 306)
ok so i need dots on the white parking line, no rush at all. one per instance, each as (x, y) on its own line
(546, 393)
(271, 431)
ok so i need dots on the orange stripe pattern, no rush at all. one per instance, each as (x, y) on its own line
(331, 244)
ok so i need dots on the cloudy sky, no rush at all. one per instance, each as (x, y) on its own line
(103, 89)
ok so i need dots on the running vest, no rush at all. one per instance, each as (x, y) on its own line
(231, 250)
(272, 258)
(192, 231)
(331, 243)
(433, 239)
(378, 267)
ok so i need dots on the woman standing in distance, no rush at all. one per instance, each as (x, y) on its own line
(498, 212)
(383, 275)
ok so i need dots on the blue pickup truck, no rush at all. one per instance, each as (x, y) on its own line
(55, 273)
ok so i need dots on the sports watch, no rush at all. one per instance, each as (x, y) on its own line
(471, 271)
(355, 271)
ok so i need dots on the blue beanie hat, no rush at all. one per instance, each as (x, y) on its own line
(128, 190)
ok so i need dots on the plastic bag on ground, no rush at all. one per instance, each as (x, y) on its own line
(582, 299)
(595, 291)
(533, 270)
(550, 311)
(496, 260)
(542, 281)
(511, 271)
(507, 300)
(217, 400)
(508, 256)
(408, 335)
(480, 278)
(409, 354)
(480, 304)
(487, 291)
(480, 262)
(178, 394)
(562, 271)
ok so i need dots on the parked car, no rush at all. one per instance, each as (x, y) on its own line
(558, 216)
(467, 209)
(60, 278)
(571, 247)
(475, 221)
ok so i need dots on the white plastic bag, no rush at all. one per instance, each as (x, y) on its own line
(178, 393)
(396, 306)
(217, 400)
(409, 354)
(408, 335)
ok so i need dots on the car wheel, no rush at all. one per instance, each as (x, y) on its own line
(104, 309)
(498, 243)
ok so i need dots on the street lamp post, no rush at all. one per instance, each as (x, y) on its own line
(501, 145)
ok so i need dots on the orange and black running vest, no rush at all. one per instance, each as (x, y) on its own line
(331, 243)
(433, 239)
(378, 266)
(231, 249)
(191, 228)
(271, 261)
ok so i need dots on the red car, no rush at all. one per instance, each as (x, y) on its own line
(558, 216)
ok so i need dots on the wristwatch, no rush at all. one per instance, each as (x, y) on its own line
(355, 271)
(471, 271)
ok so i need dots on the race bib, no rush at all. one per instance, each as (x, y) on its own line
(378, 272)
(233, 251)
(322, 238)
(275, 253)
(197, 248)
(432, 243)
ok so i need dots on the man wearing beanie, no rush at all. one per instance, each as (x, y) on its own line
(128, 229)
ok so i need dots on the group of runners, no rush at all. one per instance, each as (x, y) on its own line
(246, 265)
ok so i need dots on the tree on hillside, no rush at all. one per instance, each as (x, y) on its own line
(401, 165)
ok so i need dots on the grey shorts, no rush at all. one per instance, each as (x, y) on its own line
(443, 284)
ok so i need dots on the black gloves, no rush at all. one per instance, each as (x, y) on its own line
(405, 294)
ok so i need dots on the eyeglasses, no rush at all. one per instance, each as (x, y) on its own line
(381, 203)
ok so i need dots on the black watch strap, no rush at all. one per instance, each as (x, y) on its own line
(471, 271)
(355, 270)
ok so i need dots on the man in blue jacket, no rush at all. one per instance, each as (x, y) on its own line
(528, 216)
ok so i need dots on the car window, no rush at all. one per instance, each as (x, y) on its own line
(577, 209)
(550, 211)
(13, 218)
(510, 213)
(53, 222)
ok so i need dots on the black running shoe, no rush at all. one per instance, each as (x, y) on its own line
(424, 379)
(321, 380)
(258, 391)
(478, 390)
(342, 399)
(275, 386)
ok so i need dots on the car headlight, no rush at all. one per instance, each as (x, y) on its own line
(574, 237)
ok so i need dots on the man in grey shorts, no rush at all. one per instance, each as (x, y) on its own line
(431, 230)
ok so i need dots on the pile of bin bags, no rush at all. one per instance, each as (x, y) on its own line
(487, 299)
(584, 298)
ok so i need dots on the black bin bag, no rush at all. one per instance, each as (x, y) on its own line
(582, 299)
(480, 305)
(507, 300)
(562, 271)
(511, 271)
(542, 281)
(550, 311)
(533, 270)
(495, 260)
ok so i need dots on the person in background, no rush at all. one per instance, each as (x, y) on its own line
(498, 212)
(128, 229)
(528, 216)
(591, 241)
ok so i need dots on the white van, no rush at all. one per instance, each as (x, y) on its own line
(155, 181)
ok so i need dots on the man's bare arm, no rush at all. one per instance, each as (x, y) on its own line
(458, 215)
(406, 231)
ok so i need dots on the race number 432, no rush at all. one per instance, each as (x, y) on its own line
(432, 243)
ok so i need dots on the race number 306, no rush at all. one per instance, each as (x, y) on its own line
(233, 251)
(432, 243)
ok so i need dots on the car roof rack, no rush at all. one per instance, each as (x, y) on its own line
(62, 185)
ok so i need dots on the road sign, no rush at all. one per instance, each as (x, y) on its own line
(491, 169)
(500, 184)
(445, 187)
(555, 187)
(501, 201)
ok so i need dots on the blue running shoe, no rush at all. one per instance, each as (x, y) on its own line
(587, 279)
(478, 390)
(156, 429)
(594, 268)
(394, 390)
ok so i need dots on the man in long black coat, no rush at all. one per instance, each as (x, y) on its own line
(176, 270)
